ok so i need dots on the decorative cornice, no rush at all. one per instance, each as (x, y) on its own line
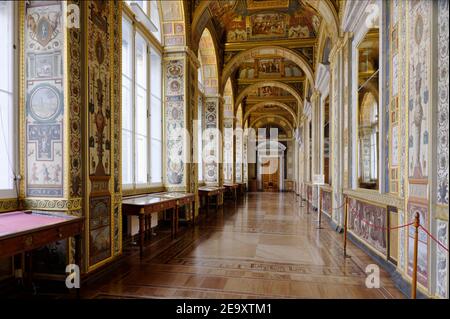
(374, 196)
(326, 188)
(183, 50)
(354, 12)
(240, 46)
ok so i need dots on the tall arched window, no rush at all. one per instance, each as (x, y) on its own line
(141, 98)
(151, 20)
(199, 125)
(8, 128)
(368, 112)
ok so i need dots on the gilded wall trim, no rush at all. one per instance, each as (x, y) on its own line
(441, 212)
(240, 46)
(375, 197)
(8, 204)
(52, 204)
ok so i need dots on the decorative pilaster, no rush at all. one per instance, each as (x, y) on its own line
(336, 124)
(213, 145)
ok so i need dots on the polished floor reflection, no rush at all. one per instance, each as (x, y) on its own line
(265, 246)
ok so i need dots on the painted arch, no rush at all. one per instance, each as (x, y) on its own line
(208, 63)
(279, 104)
(273, 119)
(261, 84)
(243, 56)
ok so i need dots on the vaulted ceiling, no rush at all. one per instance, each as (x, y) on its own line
(280, 37)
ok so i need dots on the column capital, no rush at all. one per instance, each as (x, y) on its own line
(336, 48)
(184, 50)
(315, 95)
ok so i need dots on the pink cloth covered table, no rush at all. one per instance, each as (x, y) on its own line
(19, 221)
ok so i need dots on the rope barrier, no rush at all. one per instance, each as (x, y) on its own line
(386, 228)
(416, 224)
(432, 237)
(405, 225)
(337, 207)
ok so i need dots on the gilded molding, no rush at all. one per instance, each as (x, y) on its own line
(241, 46)
(52, 204)
(8, 204)
(441, 212)
(375, 197)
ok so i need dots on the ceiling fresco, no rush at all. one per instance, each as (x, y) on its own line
(254, 20)
(269, 68)
(244, 24)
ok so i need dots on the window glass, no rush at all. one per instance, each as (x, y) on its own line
(127, 101)
(368, 103)
(200, 138)
(156, 117)
(6, 99)
(141, 120)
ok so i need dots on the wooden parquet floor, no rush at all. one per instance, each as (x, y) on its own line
(265, 246)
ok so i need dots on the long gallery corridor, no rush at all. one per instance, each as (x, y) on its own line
(265, 246)
(224, 149)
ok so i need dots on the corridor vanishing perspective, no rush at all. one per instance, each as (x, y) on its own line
(224, 149)
(266, 246)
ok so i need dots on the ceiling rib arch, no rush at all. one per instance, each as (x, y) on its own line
(261, 84)
(275, 119)
(286, 53)
(275, 103)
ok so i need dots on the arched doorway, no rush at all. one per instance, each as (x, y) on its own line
(270, 166)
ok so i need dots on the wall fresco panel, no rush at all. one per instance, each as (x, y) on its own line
(44, 96)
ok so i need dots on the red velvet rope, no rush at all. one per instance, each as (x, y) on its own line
(432, 237)
(406, 225)
(385, 228)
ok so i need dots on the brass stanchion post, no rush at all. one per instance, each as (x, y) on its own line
(345, 224)
(307, 201)
(416, 245)
(319, 205)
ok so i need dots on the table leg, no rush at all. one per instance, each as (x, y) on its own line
(141, 234)
(146, 227)
(177, 211)
(207, 205)
(193, 213)
(217, 202)
(29, 269)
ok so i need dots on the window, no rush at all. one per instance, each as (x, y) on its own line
(141, 110)
(7, 116)
(154, 18)
(200, 137)
(156, 117)
(368, 112)
(141, 3)
(127, 103)
(151, 9)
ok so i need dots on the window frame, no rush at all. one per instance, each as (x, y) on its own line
(202, 97)
(357, 41)
(151, 43)
(13, 192)
(128, 11)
